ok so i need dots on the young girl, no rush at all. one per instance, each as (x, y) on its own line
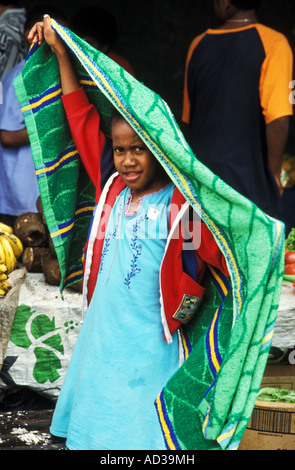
(140, 283)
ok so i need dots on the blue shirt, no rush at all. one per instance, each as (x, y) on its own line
(18, 182)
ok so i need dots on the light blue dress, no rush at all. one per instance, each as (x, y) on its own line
(121, 361)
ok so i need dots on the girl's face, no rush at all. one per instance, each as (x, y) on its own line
(135, 163)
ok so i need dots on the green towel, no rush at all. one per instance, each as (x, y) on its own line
(208, 402)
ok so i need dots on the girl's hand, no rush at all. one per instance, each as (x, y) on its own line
(43, 31)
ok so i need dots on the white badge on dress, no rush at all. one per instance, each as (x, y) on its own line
(153, 214)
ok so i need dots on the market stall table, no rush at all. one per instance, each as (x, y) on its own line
(46, 327)
(41, 342)
(284, 333)
(42, 338)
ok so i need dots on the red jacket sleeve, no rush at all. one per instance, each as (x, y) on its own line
(84, 122)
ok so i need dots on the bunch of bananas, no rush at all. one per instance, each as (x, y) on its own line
(11, 249)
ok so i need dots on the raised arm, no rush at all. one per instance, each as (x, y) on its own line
(43, 31)
(82, 116)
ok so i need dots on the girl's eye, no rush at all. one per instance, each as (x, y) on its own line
(135, 150)
(139, 149)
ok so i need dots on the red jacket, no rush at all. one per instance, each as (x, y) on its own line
(182, 270)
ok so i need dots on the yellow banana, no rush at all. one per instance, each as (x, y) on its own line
(10, 259)
(4, 285)
(3, 277)
(2, 255)
(15, 243)
(3, 268)
(2, 292)
(6, 228)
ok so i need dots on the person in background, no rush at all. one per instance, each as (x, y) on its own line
(99, 28)
(236, 101)
(13, 47)
(18, 183)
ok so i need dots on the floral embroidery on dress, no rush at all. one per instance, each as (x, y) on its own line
(104, 252)
(137, 251)
(110, 236)
(135, 222)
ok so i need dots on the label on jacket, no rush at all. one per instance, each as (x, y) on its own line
(187, 308)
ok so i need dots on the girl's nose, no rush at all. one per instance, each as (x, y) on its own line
(129, 158)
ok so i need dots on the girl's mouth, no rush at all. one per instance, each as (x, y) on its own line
(131, 176)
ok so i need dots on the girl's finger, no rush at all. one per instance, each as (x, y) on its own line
(32, 32)
(36, 33)
(40, 33)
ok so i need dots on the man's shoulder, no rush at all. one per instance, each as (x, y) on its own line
(8, 77)
(271, 37)
(195, 43)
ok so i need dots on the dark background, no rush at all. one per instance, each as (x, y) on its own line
(154, 35)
